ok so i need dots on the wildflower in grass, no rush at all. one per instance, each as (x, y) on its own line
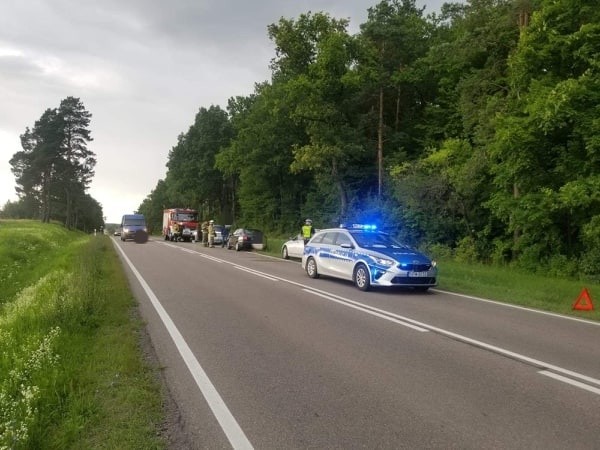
(19, 394)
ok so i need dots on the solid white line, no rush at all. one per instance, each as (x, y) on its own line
(595, 390)
(229, 425)
(382, 316)
(255, 272)
(523, 308)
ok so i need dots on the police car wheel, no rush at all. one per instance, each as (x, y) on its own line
(311, 268)
(284, 253)
(361, 277)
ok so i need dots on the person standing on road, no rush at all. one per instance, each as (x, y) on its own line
(205, 234)
(225, 235)
(211, 233)
(307, 230)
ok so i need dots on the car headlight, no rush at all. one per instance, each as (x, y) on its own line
(383, 261)
(125, 230)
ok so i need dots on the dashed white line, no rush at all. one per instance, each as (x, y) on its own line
(255, 272)
(365, 310)
(570, 381)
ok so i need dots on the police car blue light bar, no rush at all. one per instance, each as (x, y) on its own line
(359, 226)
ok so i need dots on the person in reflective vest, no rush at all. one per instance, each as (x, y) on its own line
(307, 230)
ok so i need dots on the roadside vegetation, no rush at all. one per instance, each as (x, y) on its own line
(72, 374)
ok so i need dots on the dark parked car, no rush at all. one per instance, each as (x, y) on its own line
(240, 239)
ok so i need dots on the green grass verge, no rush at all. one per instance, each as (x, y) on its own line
(72, 374)
(519, 288)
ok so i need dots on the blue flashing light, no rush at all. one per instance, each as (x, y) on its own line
(359, 226)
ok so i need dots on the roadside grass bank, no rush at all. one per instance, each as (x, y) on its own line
(505, 285)
(72, 374)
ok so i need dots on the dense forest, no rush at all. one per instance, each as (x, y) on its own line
(474, 132)
(55, 168)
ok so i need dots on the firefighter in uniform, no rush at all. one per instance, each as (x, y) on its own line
(205, 234)
(211, 233)
(307, 230)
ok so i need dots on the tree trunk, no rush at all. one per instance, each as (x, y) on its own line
(380, 145)
(516, 230)
(341, 188)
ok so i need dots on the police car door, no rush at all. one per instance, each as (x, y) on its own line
(325, 253)
(342, 256)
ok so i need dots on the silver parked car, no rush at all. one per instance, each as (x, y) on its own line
(294, 248)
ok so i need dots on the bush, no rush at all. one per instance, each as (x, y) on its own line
(561, 266)
(590, 260)
(466, 250)
(439, 251)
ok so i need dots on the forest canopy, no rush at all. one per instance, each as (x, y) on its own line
(473, 131)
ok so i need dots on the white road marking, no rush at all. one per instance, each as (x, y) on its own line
(349, 305)
(578, 384)
(229, 425)
(555, 370)
(523, 308)
(255, 272)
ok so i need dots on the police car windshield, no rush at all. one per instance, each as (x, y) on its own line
(375, 240)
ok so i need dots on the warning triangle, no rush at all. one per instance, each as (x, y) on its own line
(584, 301)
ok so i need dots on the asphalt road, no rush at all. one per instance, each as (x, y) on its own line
(258, 355)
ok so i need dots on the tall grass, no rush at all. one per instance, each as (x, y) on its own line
(71, 371)
(517, 287)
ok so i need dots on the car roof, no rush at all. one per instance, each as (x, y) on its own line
(349, 230)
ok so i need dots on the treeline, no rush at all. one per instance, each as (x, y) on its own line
(55, 168)
(475, 131)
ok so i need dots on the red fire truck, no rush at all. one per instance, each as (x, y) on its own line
(179, 224)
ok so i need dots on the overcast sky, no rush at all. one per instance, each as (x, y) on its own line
(142, 68)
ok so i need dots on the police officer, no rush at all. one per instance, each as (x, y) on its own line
(211, 233)
(307, 230)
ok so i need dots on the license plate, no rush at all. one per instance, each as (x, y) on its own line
(417, 274)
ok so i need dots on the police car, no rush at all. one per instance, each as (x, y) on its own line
(367, 257)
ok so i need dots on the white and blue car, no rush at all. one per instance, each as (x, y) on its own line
(367, 257)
